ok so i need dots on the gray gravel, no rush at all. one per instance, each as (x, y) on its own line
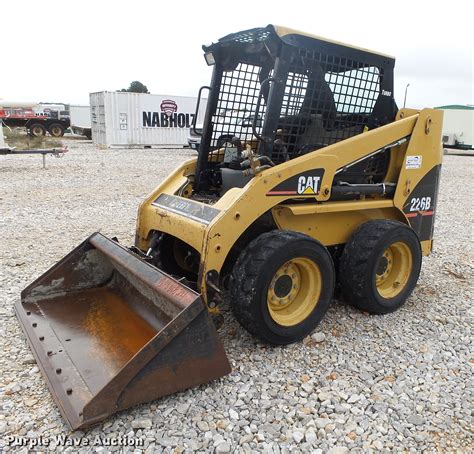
(360, 384)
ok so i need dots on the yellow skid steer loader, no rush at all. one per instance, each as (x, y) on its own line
(325, 182)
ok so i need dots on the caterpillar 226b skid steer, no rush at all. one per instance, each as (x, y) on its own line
(327, 182)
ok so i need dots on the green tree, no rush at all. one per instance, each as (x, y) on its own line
(136, 87)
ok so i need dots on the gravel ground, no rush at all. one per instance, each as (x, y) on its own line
(361, 384)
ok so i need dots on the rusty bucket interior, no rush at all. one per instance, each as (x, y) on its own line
(110, 331)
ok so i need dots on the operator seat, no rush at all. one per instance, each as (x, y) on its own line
(316, 116)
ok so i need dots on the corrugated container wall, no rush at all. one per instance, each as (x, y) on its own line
(121, 119)
(459, 122)
(80, 116)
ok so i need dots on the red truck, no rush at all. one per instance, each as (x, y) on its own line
(36, 119)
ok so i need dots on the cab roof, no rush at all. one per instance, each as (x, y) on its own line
(299, 39)
(285, 32)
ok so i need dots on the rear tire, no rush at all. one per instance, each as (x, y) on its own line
(281, 286)
(380, 266)
(36, 130)
(56, 130)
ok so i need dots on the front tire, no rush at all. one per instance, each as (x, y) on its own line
(380, 266)
(177, 258)
(281, 286)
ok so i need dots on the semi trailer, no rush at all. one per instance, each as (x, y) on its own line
(38, 119)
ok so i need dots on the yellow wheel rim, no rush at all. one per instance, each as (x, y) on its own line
(393, 270)
(294, 291)
(56, 132)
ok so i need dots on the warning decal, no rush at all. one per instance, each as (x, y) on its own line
(413, 162)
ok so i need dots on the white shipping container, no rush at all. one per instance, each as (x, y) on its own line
(127, 120)
(80, 116)
(458, 126)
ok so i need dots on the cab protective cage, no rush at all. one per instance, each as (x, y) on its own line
(309, 91)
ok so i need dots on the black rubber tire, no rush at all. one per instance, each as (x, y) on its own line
(36, 130)
(166, 259)
(252, 275)
(360, 259)
(56, 130)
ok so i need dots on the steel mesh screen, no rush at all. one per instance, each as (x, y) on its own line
(326, 99)
(248, 36)
(236, 105)
(295, 91)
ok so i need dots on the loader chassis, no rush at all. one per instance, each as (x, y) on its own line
(331, 222)
(328, 183)
(341, 152)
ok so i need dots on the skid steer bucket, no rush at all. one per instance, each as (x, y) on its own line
(110, 331)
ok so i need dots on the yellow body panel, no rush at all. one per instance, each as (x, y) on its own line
(425, 142)
(284, 31)
(327, 221)
(151, 218)
(331, 228)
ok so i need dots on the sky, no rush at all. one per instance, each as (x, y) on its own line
(62, 51)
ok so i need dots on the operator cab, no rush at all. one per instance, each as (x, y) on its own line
(301, 93)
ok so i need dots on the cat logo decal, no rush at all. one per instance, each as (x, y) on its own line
(304, 184)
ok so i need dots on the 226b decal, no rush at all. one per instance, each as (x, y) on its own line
(420, 208)
(420, 203)
(303, 184)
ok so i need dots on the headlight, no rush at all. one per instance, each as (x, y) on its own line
(209, 58)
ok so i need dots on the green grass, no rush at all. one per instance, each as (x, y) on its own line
(17, 138)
